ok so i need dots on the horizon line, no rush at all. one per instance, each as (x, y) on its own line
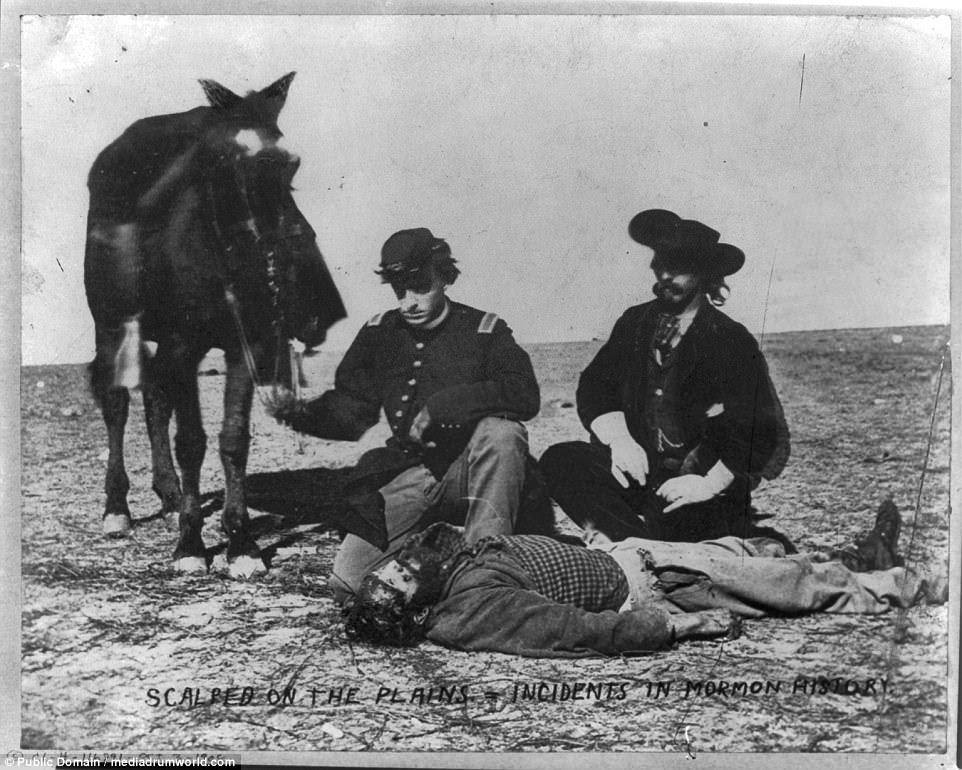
(760, 337)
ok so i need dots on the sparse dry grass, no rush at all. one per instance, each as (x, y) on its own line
(106, 622)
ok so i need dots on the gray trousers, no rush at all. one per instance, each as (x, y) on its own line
(754, 578)
(481, 490)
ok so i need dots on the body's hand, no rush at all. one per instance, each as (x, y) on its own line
(706, 624)
(420, 424)
(628, 458)
(685, 490)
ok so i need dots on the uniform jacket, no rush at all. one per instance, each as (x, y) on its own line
(468, 368)
(730, 409)
(491, 603)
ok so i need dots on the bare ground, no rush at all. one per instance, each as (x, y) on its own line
(110, 631)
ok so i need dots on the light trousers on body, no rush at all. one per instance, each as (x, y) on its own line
(481, 489)
(754, 578)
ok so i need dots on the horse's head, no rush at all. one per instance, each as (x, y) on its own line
(245, 125)
(271, 253)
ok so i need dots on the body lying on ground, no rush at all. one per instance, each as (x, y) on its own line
(534, 596)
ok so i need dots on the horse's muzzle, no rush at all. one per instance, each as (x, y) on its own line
(312, 334)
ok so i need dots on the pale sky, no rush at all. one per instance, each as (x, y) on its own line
(529, 142)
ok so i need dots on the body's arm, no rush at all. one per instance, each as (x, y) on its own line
(488, 610)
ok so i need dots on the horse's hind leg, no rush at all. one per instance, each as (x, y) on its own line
(244, 558)
(116, 520)
(114, 405)
(112, 274)
(157, 413)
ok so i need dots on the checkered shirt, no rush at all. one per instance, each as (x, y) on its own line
(565, 573)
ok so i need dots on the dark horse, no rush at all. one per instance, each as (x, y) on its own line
(194, 242)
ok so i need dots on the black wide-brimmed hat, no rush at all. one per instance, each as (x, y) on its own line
(685, 244)
(408, 251)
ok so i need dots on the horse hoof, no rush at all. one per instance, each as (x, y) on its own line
(244, 567)
(116, 525)
(191, 565)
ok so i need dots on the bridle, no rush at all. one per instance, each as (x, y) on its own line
(230, 240)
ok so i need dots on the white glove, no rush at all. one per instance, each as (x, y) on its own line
(628, 458)
(692, 488)
(422, 421)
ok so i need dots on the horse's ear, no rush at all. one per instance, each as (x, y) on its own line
(220, 98)
(276, 92)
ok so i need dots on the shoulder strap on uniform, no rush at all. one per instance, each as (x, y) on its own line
(376, 320)
(487, 323)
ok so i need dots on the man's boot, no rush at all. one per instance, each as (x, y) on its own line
(878, 549)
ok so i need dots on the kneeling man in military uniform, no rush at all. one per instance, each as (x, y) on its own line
(455, 387)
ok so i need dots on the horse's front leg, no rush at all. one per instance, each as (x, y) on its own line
(244, 558)
(190, 446)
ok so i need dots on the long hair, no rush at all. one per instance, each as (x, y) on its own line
(379, 615)
(717, 290)
(379, 612)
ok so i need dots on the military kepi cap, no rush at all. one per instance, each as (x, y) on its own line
(685, 244)
(408, 251)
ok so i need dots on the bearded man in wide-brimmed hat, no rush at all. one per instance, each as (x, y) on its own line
(683, 416)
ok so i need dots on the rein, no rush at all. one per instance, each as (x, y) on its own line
(227, 242)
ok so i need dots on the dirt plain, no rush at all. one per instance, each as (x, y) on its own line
(109, 629)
